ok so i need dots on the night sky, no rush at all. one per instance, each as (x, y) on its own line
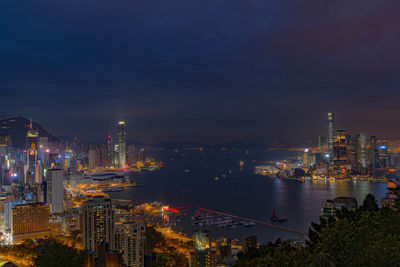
(211, 71)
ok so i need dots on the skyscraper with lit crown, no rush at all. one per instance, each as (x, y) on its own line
(31, 154)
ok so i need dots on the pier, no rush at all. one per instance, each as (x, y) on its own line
(283, 228)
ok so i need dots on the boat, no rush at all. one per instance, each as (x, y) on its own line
(275, 218)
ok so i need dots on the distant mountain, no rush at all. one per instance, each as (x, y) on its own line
(240, 144)
(180, 145)
(17, 127)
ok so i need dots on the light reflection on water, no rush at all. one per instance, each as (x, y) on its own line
(241, 192)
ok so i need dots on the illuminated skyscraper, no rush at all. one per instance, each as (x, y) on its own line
(202, 252)
(340, 154)
(31, 154)
(122, 143)
(116, 155)
(361, 148)
(98, 223)
(331, 134)
(384, 159)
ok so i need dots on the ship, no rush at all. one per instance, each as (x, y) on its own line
(276, 218)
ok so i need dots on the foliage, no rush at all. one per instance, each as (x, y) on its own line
(368, 236)
(51, 253)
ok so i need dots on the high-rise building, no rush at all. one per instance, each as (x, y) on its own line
(116, 155)
(30, 221)
(31, 154)
(361, 148)
(308, 158)
(122, 143)
(130, 240)
(8, 207)
(98, 223)
(110, 150)
(373, 154)
(132, 156)
(384, 158)
(331, 134)
(92, 159)
(55, 190)
(202, 252)
(340, 154)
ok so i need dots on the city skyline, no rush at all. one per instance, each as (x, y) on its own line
(193, 133)
(210, 72)
(313, 140)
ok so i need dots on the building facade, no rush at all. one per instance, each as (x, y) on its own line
(98, 223)
(30, 221)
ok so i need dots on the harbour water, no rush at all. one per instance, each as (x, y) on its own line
(188, 178)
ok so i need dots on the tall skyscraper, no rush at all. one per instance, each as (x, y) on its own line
(122, 143)
(340, 154)
(331, 134)
(30, 221)
(202, 252)
(361, 144)
(98, 223)
(31, 154)
(55, 190)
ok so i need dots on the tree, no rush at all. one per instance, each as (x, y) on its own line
(368, 236)
(369, 204)
(51, 254)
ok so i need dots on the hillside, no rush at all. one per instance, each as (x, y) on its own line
(17, 127)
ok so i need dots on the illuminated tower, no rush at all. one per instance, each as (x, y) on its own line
(110, 150)
(340, 154)
(331, 134)
(32, 154)
(361, 146)
(122, 143)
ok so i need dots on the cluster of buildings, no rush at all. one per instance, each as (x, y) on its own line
(113, 155)
(34, 202)
(109, 241)
(359, 154)
(342, 156)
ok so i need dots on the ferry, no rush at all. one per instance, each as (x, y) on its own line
(275, 218)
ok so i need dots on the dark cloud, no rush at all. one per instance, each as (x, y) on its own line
(211, 71)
